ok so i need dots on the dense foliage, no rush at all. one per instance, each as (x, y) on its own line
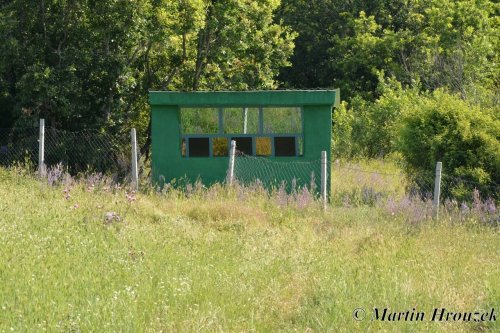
(346, 44)
(424, 128)
(83, 64)
(466, 138)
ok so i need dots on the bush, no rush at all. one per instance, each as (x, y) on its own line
(342, 143)
(369, 129)
(443, 127)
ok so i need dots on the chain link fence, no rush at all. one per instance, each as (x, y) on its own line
(356, 185)
(292, 175)
(87, 151)
(19, 145)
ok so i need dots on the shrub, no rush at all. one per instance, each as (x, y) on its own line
(369, 129)
(342, 143)
(443, 127)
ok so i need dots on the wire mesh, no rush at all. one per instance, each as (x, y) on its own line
(451, 188)
(86, 151)
(291, 175)
(100, 152)
(421, 184)
(461, 189)
(18, 145)
(355, 185)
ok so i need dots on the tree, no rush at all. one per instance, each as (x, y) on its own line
(346, 44)
(227, 44)
(68, 61)
(341, 44)
(90, 64)
(214, 45)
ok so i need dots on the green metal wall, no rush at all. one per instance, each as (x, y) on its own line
(167, 162)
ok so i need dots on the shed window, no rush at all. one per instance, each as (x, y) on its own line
(244, 145)
(241, 120)
(284, 146)
(282, 120)
(261, 131)
(183, 147)
(199, 147)
(220, 146)
(199, 120)
(263, 146)
(300, 145)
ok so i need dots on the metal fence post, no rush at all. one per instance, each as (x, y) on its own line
(245, 118)
(41, 149)
(437, 189)
(230, 171)
(323, 178)
(135, 174)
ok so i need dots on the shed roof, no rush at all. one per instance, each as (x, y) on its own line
(245, 98)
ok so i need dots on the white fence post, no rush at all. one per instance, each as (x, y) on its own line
(324, 195)
(437, 189)
(245, 118)
(41, 149)
(230, 171)
(135, 174)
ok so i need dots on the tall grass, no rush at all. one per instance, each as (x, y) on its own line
(88, 255)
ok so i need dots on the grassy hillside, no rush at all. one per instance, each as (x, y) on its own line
(88, 256)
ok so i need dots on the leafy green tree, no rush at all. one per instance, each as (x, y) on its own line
(68, 61)
(227, 44)
(455, 45)
(342, 44)
(347, 44)
(91, 63)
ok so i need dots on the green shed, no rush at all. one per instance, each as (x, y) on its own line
(192, 131)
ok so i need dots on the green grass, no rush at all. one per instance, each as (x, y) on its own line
(229, 261)
(379, 176)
